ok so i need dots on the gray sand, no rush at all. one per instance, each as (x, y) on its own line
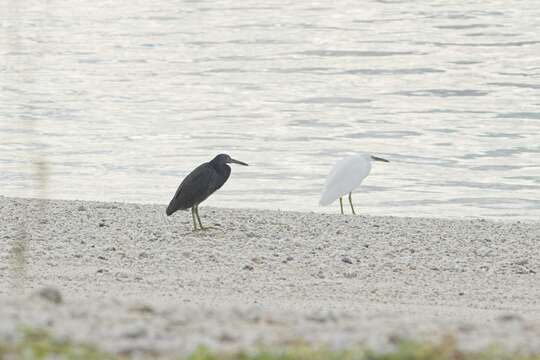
(132, 279)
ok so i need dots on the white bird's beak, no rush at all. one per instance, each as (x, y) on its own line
(379, 159)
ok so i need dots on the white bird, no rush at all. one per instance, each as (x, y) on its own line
(346, 175)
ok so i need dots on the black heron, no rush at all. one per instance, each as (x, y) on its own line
(200, 184)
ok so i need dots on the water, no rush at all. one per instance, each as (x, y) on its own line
(118, 100)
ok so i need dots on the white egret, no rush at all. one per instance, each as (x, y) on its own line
(346, 175)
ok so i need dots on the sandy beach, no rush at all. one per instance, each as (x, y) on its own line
(132, 280)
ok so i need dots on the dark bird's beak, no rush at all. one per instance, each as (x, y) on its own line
(238, 162)
(379, 159)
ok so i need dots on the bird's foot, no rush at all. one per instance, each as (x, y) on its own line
(204, 228)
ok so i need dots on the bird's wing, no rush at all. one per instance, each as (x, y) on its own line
(345, 176)
(196, 187)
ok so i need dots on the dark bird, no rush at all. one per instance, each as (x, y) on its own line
(200, 184)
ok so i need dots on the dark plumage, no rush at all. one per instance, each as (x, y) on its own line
(200, 184)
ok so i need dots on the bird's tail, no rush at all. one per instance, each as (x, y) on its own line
(326, 199)
(170, 209)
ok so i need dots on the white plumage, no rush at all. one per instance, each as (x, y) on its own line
(346, 175)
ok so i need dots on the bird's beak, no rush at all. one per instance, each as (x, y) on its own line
(379, 159)
(238, 162)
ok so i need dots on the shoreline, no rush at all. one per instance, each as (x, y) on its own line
(335, 206)
(145, 281)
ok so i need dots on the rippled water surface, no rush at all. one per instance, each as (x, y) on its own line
(118, 100)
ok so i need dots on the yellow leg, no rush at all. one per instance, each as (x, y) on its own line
(193, 217)
(198, 217)
(341, 205)
(350, 202)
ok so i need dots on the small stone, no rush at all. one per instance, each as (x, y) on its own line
(248, 267)
(227, 337)
(484, 267)
(484, 252)
(321, 316)
(395, 339)
(142, 308)
(121, 276)
(258, 260)
(100, 257)
(524, 270)
(289, 258)
(509, 317)
(50, 294)
(346, 260)
(466, 328)
(136, 332)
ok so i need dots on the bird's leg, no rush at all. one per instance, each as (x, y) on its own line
(341, 205)
(198, 217)
(350, 201)
(193, 217)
